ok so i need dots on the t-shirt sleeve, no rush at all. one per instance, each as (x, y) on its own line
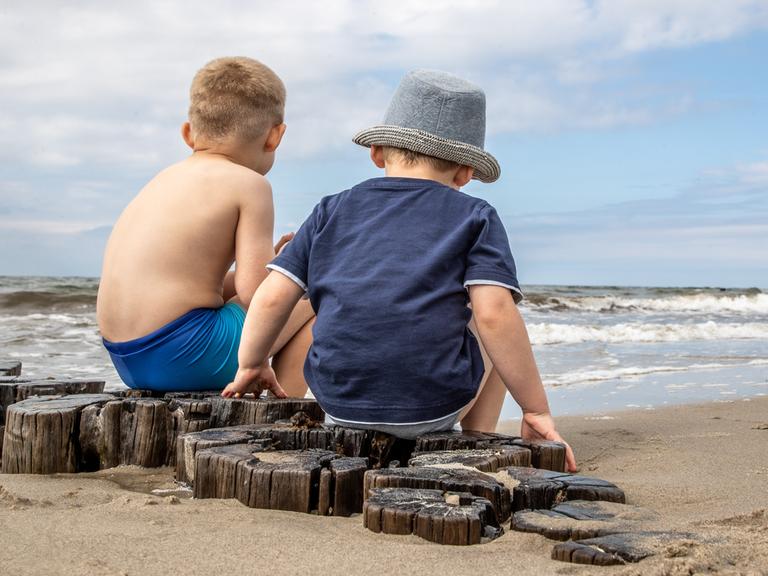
(293, 261)
(490, 260)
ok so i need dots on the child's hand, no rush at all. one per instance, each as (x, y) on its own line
(284, 239)
(255, 380)
(541, 426)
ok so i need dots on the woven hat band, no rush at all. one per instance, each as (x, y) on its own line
(485, 165)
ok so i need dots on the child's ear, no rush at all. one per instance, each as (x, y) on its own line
(186, 133)
(377, 156)
(274, 137)
(463, 176)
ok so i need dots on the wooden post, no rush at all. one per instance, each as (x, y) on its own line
(442, 517)
(10, 368)
(446, 479)
(485, 459)
(14, 389)
(103, 431)
(542, 489)
(39, 434)
(579, 519)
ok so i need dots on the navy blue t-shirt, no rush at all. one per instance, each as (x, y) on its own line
(385, 265)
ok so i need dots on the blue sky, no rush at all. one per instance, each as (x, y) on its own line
(631, 134)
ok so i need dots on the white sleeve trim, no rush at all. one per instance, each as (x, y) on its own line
(290, 275)
(493, 283)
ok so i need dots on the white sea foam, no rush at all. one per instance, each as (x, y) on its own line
(629, 372)
(550, 333)
(701, 303)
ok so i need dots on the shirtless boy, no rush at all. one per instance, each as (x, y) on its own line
(390, 266)
(170, 312)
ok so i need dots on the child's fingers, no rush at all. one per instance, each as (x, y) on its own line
(570, 459)
(277, 390)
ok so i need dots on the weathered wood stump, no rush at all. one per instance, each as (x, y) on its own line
(616, 548)
(341, 487)
(15, 389)
(10, 368)
(537, 489)
(238, 411)
(544, 453)
(297, 480)
(446, 478)
(485, 460)
(40, 434)
(103, 431)
(187, 445)
(297, 433)
(441, 517)
(582, 519)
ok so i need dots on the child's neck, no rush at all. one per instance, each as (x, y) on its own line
(251, 156)
(421, 171)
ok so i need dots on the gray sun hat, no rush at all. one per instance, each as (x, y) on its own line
(440, 115)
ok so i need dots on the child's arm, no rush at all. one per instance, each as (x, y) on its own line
(253, 238)
(502, 330)
(229, 291)
(269, 310)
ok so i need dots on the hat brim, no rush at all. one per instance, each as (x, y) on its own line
(486, 167)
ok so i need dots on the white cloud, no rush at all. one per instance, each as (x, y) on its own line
(93, 82)
(92, 93)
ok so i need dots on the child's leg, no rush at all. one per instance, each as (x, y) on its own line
(482, 414)
(302, 313)
(290, 350)
(288, 363)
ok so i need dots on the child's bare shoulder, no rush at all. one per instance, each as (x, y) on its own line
(220, 179)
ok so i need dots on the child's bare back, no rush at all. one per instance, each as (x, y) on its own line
(170, 312)
(171, 248)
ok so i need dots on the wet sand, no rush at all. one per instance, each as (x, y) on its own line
(704, 468)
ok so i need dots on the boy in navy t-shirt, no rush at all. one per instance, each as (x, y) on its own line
(390, 267)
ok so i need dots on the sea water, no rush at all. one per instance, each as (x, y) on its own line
(598, 348)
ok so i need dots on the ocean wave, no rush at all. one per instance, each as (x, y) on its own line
(41, 301)
(601, 375)
(547, 333)
(700, 303)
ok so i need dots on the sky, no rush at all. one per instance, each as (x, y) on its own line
(632, 134)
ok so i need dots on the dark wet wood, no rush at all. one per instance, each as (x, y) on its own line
(296, 480)
(543, 489)
(579, 519)
(616, 548)
(544, 453)
(466, 440)
(40, 434)
(341, 487)
(456, 518)
(484, 459)
(187, 445)
(10, 368)
(447, 479)
(238, 411)
(102, 431)
(14, 389)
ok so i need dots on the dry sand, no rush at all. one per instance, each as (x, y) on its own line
(704, 468)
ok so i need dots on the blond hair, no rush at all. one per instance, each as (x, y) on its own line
(235, 96)
(411, 158)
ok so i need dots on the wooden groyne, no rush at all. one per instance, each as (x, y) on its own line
(453, 487)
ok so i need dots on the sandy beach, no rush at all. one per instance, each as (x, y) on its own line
(704, 468)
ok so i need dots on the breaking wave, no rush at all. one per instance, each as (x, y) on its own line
(547, 333)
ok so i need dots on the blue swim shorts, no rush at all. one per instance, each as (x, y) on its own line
(197, 351)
